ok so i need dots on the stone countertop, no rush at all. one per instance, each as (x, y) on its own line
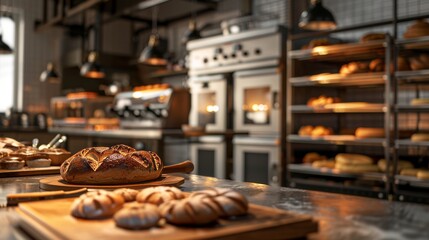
(339, 216)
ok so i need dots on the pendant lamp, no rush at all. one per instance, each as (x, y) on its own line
(4, 48)
(49, 75)
(153, 54)
(317, 17)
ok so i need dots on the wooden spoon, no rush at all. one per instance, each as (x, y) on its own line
(183, 167)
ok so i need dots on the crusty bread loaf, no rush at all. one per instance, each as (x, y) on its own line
(128, 194)
(321, 101)
(190, 211)
(119, 164)
(230, 203)
(323, 164)
(352, 159)
(354, 67)
(97, 205)
(312, 156)
(382, 165)
(410, 172)
(137, 216)
(423, 174)
(373, 36)
(419, 62)
(420, 137)
(419, 28)
(356, 168)
(363, 132)
(159, 195)
(377, 65)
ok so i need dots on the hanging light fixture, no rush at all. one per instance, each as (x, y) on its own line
(91, 69)
(4, 48)
(49, 75)
(152, 54)
(317, 17)
(192, 32)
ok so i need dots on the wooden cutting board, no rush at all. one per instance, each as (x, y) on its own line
(26, 171)
(52, 220)
(57, 183)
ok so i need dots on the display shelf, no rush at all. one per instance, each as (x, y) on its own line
(404, 143)
(412, 108)
(335, 80)
(341, 52)
(413, 77)
(337, 140)
(421, 43)
(340, 108)
(411, 181)
(308, 169)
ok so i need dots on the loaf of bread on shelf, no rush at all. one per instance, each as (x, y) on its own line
(419, 62)
(409, 172)
(353, 159)
(356, 168)
(118, 164)
(420, 137)
(377, 65)
(373, 36)
(403, 64)
(323, 164)
(316, 43)
(305, 130)
(312, 156)
(423, 174)
(419, 101)
(419, 28)
(364, 132)
(354, 67)
(321, 101)
(382, 165)
(316, 131)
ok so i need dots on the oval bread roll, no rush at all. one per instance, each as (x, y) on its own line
(305, 130)
(356, 168)
(362, 132)
(312, 156)
(128, 194)
(409, 172)
(137, 216)
(352, 159)
(418, 29)
(382, 165)
(420, 137)
(423, 174)
(324, 164)
(97, 205)
(159, 195)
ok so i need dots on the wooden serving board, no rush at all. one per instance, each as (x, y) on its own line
(57, 183)
(26, 171)
(52, 220)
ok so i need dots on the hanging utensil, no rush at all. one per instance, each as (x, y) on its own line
(54, 140)
(35, 142)
(59, 142)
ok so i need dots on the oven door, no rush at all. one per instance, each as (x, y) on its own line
(257, 160)
(209, 102)
(208, 156)
(257, 101)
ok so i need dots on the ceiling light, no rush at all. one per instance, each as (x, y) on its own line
(91, 69)
(317, 17)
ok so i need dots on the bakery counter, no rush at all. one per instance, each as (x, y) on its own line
(339, 216)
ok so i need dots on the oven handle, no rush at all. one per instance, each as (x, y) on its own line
(275, 100)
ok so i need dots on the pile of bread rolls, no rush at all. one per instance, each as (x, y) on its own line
(321, 101)
(314, 131)
(152, 207)
(317, 160)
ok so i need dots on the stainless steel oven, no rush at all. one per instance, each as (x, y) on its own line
(256, 102)
(209, 105)
(208, 155)
(257, 159)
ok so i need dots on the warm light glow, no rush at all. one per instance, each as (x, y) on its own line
(94, 74)
(320, 50)
(259, 107)
(156, 61)
(138, 94)
(212, 108)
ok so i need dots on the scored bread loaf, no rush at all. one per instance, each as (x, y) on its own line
(137, 216)
(97, 205)
(118, 164)
(128, 194)
(159, 195)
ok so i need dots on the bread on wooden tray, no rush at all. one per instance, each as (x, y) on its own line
(128, 194)
(119, 164)
(159, 195)
(137, 216)
(97, 205)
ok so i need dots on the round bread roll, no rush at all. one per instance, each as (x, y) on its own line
(312, 156)
(419, 62)
(354, 67)
(11, 163)
(423, 174)
(191, 211)
(128, 194)
(363, 132)
(352, 159)
(319, 131)
(372, 36)
(324, 164)
(97, 205)
(119, 164)
(159, 195)
(230, 203)
(305, 130)
(382, 165)
(347, 168)
(420, 137)
(376, 65)
(419, 28)
(409, 172)
(137, 216)
(403, 64)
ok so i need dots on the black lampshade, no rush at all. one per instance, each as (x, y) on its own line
(317, 17)
(91, 69)
(49, 75)
(4, 48)
(192, 33)
(153, 54)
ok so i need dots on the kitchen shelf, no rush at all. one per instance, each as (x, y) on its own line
(411, 181)
(341, 52)
(421, 43)
(338, 140)
(413, 108)
(335, 80)
(405, 143)
(308, 169)
(369, 108)
(416, 77)
(165, 74)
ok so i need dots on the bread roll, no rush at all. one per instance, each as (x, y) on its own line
(97, 205)
(11, 163)
(419, 62)
(420, 137)
(373, 36)
(369, 132)
(305, 130)
(382, 165)
(354, 67)
(128, 194)
(423, 174)
(159, 195)
(312, 156)
(352, 159)
(190, 211)
(137, 216)
(403, 64)
(321, 101)
(409, 172)
(119, 164)
(376, 65)
(419, 28)
(319, 131)
(348, 168)
(230, 203)
(419, 101)
(324, 164)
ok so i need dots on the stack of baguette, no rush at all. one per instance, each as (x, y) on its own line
(354, 163)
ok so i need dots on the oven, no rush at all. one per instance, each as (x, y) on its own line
(209, 100)
(208, 154)
(256, 159)
(256, 102)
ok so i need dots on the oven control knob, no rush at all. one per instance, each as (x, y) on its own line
(237, 47)
(233, 55)
(136, 113)
(257, 51)
(214, 58)
(245, 53)
(205, 60)
(218, 51)
(225, 56)
(126, 114)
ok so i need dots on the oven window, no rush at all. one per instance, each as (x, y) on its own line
(207, 108)
(206, 162)
(256, 167)
(256, 104)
